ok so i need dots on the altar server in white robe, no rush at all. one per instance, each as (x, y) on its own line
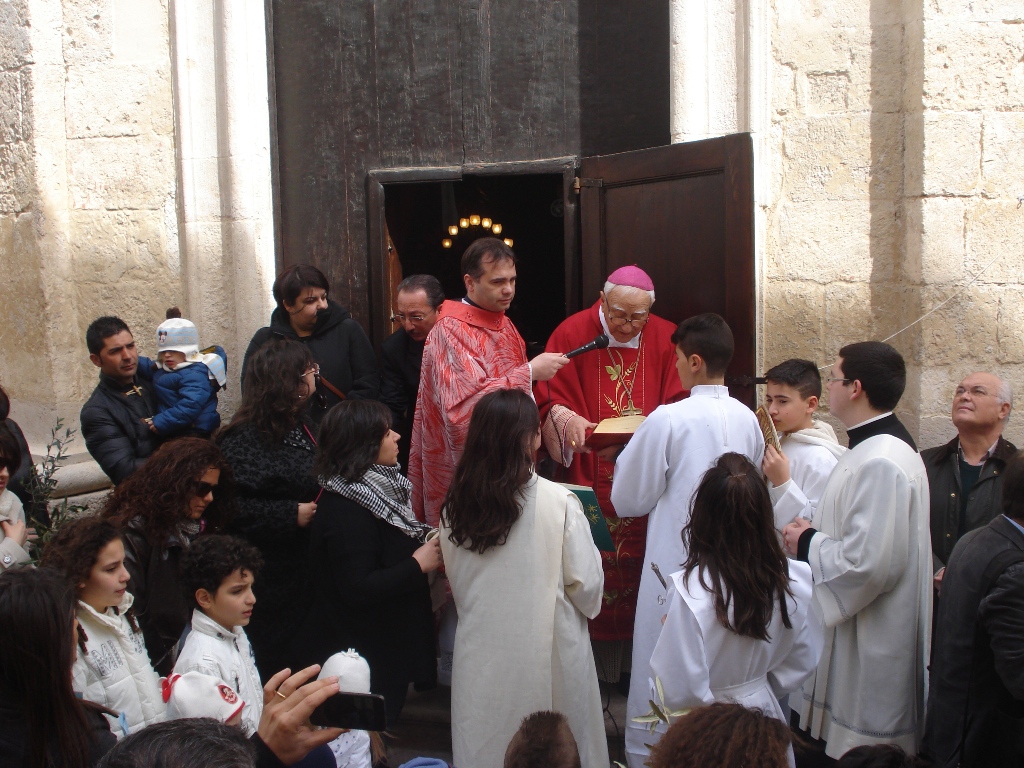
(739, 626)
(869, 549)
(657, 474)
(797, 476)
(526, 576)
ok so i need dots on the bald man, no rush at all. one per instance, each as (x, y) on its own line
(966, 474)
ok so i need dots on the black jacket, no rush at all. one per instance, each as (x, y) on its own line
(113, 427)
(977, 668)
(340, 347)
(160, 606)
(21, 478)
(943, 468)
(270, 482)
(368, 594)
(401, 357)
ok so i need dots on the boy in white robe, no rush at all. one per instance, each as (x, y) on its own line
(869, 548)
(656, 475)
(797, 476)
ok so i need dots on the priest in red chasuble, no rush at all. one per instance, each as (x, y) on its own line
(634, 375)
(473, 349)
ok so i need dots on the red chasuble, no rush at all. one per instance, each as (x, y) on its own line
(468, 353)
(599, 385)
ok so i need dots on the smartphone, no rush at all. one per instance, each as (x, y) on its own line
(356, 711)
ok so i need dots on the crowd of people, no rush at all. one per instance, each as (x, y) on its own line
(763, 601)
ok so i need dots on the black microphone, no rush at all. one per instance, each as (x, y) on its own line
(598, 343)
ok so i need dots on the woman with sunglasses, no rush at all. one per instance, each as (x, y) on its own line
(270, 444)
(183, 490)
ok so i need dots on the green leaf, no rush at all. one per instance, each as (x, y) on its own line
(661, 691)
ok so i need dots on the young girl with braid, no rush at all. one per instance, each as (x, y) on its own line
(112, 667)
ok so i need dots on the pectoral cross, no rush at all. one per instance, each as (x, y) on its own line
(631, 410)
(135, 390)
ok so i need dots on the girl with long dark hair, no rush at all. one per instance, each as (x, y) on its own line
(42, 723)
(270, 444)
(182, 490)
(737, 626)
(369, 557)
(113, 667)
(526, 576)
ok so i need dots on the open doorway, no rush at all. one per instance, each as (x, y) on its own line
(410, 213)
(431, 223)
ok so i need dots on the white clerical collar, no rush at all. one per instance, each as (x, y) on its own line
(879, 417)
(709, 390)
(633, 343)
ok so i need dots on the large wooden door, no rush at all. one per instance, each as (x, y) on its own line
(685, 214)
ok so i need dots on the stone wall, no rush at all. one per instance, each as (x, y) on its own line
(895, 163)
(88, 221)
(134, 175)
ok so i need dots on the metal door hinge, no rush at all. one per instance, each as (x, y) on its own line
(578, 182)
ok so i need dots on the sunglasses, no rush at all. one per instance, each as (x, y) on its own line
(205, 489)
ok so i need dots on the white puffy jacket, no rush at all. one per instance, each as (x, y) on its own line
(213, 650)
(115, 670)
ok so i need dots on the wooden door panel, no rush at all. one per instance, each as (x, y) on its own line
(684, 213)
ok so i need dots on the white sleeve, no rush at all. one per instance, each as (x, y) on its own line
(802, 659)
(641, 471)
(873, 549)
(680, 660)
(582, 572)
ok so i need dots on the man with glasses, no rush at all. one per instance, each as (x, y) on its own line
(633, 376)
(965, 476)
(870, 556)
(418, 303)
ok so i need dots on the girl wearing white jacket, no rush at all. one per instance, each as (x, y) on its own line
(112, 667)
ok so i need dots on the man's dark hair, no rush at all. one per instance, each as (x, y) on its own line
(10, 451)
(101, 329)
(801, 375)
(1013, 487)
(185, 743)
(429, 284)
(544, 740)
(294, 280)
(709, 336)
(350, 438)
(485, 249)
(209, 560)
(880, 370)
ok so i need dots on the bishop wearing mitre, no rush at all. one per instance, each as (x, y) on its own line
(634, 375)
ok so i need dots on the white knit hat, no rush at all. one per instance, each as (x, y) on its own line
(351, 669)
(197, 695)
(178, 335)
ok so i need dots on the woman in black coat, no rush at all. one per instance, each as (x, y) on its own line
(270, 445)
(369, 557)
(182, 490)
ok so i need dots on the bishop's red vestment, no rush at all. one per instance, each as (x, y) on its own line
(599, 385)
(468, 353)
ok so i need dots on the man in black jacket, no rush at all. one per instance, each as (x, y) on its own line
(976, 696)
(418, 300)
(113, 419)
(965, 475)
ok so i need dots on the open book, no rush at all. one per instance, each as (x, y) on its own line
(615, 431)
(598, 525)
(771, 435)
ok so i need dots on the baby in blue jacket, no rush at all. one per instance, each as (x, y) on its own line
(186, 380)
